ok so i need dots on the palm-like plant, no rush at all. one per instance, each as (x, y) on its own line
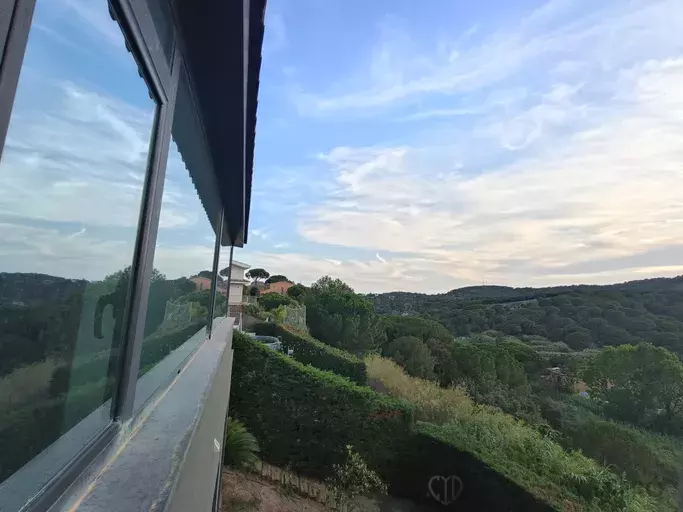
(241, 448)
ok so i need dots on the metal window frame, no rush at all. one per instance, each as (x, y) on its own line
(136, 20)
(214, 272)
(14, 30)
(161, 77)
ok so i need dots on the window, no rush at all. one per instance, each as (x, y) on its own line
(180, 291)
(71, 181)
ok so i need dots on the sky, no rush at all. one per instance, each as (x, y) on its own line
(399, 147)
(416, 146)
(76, 154)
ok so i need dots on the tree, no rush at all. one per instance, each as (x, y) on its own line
(205, 273)
(257, 273)
(342, 318)
(297, 292)
(640, 384)
(277, 278)
(396, 326)
(224, 272)
(413, 355)
(270, 301)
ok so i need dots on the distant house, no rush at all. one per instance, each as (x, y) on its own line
(280, 288)
(201, 283)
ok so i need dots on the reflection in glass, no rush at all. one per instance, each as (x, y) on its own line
(221, 307)
(180, 291)
(71, 180)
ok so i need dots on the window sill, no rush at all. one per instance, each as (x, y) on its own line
(152, 455)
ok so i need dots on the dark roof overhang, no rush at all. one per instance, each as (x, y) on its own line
(221, 44)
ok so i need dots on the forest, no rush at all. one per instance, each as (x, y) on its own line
(581, 316)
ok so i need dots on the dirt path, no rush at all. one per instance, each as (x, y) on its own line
(254, 492)
(242, 492)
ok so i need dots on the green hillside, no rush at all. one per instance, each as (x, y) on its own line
(583, 316)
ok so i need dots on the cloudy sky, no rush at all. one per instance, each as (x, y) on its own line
(398, 147)
(73, 166)
(401, 147)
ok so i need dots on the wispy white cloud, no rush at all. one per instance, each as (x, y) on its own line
(606, 190)
(259, 233)
(606, 35)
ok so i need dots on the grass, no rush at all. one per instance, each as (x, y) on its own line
(26, 384)
(433, 403)
(568, 480)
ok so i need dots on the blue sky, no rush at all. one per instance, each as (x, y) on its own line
(76, 154)
(523, 143)
(398, 147)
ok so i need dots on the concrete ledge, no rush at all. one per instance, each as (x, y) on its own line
(148, 465)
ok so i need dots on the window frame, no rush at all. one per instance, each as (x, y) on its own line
(161, 75)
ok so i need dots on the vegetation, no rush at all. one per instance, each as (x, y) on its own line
(308, 350)
(512, 448)
(580, 316)
(297, 292)
(240, 448)
(304, 417)
(431, 402)
(413, 355)
(257, 273)
(341, 318)
(277, 278)
(645, 458)
(492, 374)
(642, 385)
(354, 478)
(270, 301)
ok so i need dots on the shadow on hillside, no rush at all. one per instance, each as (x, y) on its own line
(430, 471)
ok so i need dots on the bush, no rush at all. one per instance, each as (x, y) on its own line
(354, 478)
(272, 300)
(308, 350)
(304, 417)
(240, 447)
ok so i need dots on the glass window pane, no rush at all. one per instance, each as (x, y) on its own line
(221, 304)
(180, 291)
(71, 180)
(160, 11)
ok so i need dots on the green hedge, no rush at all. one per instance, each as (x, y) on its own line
(308, 350)
(303, 417)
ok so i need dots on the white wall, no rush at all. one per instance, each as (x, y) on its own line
(237, 273)
(236, 292)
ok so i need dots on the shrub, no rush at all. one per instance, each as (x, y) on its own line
(308, 350)
(354, 478)
(240, 447)
(304, 417)
(272, 300)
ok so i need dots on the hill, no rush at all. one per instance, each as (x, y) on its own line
(583, 316)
